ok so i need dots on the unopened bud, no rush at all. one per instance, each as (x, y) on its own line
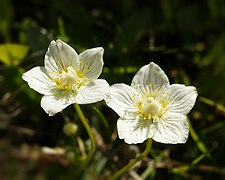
(70, 129)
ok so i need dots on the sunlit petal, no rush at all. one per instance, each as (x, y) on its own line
(149, 79)
(121, 100)
(38, 79)
(55, 103)
(182, 98)
(92, 92)
(172, 129)
(60, 56)
(91, 63)
(135, 131)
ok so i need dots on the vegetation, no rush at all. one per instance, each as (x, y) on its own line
(185, 38)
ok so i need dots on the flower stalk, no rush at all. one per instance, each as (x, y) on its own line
(88, 129)
(133, 161)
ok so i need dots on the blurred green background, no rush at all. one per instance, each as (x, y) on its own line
(185, 38)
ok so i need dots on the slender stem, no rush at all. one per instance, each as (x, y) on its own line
(104, 122)
(88, 129)
(202, 147)
(133, 161)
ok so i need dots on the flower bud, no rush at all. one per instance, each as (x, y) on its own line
(70, 128)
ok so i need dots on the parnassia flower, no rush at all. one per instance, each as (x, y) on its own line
(151, 107)
(67, 77)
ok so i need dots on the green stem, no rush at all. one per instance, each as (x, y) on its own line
(202, 147)
(88, 129)
(104, 122)
(133, 161)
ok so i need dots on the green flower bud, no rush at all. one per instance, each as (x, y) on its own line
(70, 128)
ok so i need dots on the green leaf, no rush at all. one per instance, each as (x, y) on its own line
(12, 54)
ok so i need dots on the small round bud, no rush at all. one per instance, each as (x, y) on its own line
(70, 128)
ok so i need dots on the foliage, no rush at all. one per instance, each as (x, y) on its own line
(187, 40)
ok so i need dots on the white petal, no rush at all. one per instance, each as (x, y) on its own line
(121, 100)
(60, 56)
(91, 63)
(93, 92)
(56, 103)
(172, 129)
(182, 98)
(149, 78)
(38, 79)
(135, 131)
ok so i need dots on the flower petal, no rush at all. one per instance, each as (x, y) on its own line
(93, 92)
(149, 78)
(172, 129)
(135, 131)
(60, 56)
(56, 103)
(91, 63)
(121, 100)
(182, 98)
(38, 79)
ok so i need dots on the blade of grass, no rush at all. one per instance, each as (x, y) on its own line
(212, 128)
(184, 168)
(104, 122)
(202, 147)
(209, 102)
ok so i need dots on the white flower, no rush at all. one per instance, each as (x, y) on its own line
(68, 78)
(151, 107)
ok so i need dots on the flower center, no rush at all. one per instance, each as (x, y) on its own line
(151, 108)
(152, 104)
(68, 80)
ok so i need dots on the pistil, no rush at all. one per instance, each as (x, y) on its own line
(68, 80)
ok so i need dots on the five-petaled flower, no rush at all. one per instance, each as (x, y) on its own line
(151, 107)
(68, 78)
